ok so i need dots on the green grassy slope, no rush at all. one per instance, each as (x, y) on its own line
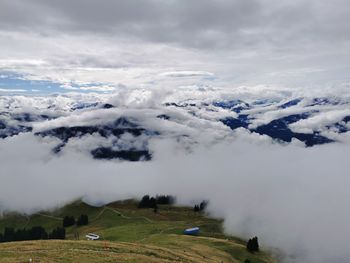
(128, 234)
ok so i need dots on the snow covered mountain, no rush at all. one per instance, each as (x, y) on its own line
(109, 128)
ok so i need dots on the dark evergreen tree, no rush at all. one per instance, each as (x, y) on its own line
(155, 209)
(144, 203)
(203, 205)
(200, 207)
(247, 261)
(152, 202)
(147, 202)
(23, 234)
(68, 221)
(38, 232)
(58, 233)
(253, 244)
(165, 199)
(9, 234)
(35, 233)
(83, 220)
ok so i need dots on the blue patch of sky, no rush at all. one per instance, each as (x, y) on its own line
(13, 84)
(16, 83)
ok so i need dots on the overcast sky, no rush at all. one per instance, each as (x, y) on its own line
(103, 45)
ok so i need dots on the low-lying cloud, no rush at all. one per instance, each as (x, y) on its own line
(293, 198)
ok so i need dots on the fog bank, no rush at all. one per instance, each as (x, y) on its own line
(293, 198)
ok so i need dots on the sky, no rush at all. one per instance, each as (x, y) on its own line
(102, 46)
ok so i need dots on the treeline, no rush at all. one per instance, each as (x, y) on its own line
(148, 201)
(34, 233)
(153, 202)
(70, 221)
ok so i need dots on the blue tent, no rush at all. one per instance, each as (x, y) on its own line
(191, 231)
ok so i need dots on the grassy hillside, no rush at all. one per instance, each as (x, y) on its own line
(128, 234)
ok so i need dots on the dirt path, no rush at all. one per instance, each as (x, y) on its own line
(99, 215)
(48, 216)
(127, 217)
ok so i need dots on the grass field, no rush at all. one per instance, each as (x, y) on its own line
(128, 234)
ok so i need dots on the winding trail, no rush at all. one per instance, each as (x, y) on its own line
(127, 217)
(48, 216)
(98, 216)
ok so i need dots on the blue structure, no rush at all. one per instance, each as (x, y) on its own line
(191, 231)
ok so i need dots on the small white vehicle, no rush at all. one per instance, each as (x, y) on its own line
(91, 236)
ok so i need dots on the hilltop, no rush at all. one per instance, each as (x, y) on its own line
(128, 234)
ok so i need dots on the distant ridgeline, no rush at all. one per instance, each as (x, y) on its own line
(124, 133)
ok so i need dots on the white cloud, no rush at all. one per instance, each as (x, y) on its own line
(320, 121)
(180, 74)
(13, 90)
(99, 88)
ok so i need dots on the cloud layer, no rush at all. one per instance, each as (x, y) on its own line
(293, 198)
(111, 43)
